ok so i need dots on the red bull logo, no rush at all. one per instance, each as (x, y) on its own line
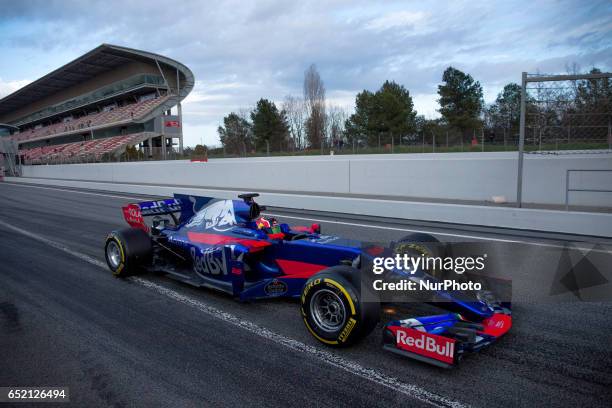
(426, 344)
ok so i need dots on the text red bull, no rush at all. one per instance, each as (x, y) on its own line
(426, 344)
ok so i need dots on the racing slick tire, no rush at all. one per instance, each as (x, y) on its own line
(423, 243)
(127, 251)
(419, 243)
(333, 310)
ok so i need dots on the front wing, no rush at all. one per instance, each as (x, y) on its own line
(443, 340)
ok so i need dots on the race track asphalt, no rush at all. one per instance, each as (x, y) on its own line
(65, 321)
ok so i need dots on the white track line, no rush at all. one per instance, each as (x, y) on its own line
(394, 384)
(354, 224)
(78, 192)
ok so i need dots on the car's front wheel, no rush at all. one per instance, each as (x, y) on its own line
(333, 310)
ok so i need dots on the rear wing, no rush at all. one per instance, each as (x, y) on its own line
(186, 205)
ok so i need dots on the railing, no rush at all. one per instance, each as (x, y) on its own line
(568, 189)
(99, 94)
(440, 140)
(120, 155)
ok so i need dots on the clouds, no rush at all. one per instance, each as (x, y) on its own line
(395, 20)
(241, 51)
(8, 87)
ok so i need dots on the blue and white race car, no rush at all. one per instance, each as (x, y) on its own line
(227, 245)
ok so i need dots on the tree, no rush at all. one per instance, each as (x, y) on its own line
(236, 134)
(269, 126)
(589, 111)
(428, 131)
(460, 100)
(379, 116)
(314, 99)
(336, 118)
(295, 112)
(396, 115)
(505, 112)
(594, 95)
(131, 153)
(359, 126)
(187, 151)
(199, 150)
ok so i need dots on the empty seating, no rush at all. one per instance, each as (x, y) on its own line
(120, 114)
(89, 150)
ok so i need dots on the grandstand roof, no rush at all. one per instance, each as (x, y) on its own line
(97, 61)
(7, 126)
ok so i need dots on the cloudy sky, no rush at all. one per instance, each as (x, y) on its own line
(241, 51)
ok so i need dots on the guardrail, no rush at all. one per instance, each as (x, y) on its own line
(568, 189)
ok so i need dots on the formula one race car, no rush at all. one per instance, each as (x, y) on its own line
(229, 246)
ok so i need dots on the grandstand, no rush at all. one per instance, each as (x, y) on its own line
(95, 107)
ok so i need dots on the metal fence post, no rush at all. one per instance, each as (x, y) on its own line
(433, 144)
(482, 137)
(567, 173)
(519, 176)
(540, 139)
(423, 141)
(609, 132)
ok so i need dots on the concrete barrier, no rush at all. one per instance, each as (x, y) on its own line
(461, 178)
(451, 176)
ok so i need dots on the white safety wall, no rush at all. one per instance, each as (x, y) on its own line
(452, 176)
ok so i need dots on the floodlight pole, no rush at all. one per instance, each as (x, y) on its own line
(521, 146)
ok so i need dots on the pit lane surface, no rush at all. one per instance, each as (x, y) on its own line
(64, 321)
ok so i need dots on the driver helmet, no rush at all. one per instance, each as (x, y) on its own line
(266, 223)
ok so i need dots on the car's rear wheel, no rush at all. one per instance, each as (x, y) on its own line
(127, 251)
(424, 244)
(333, 310)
